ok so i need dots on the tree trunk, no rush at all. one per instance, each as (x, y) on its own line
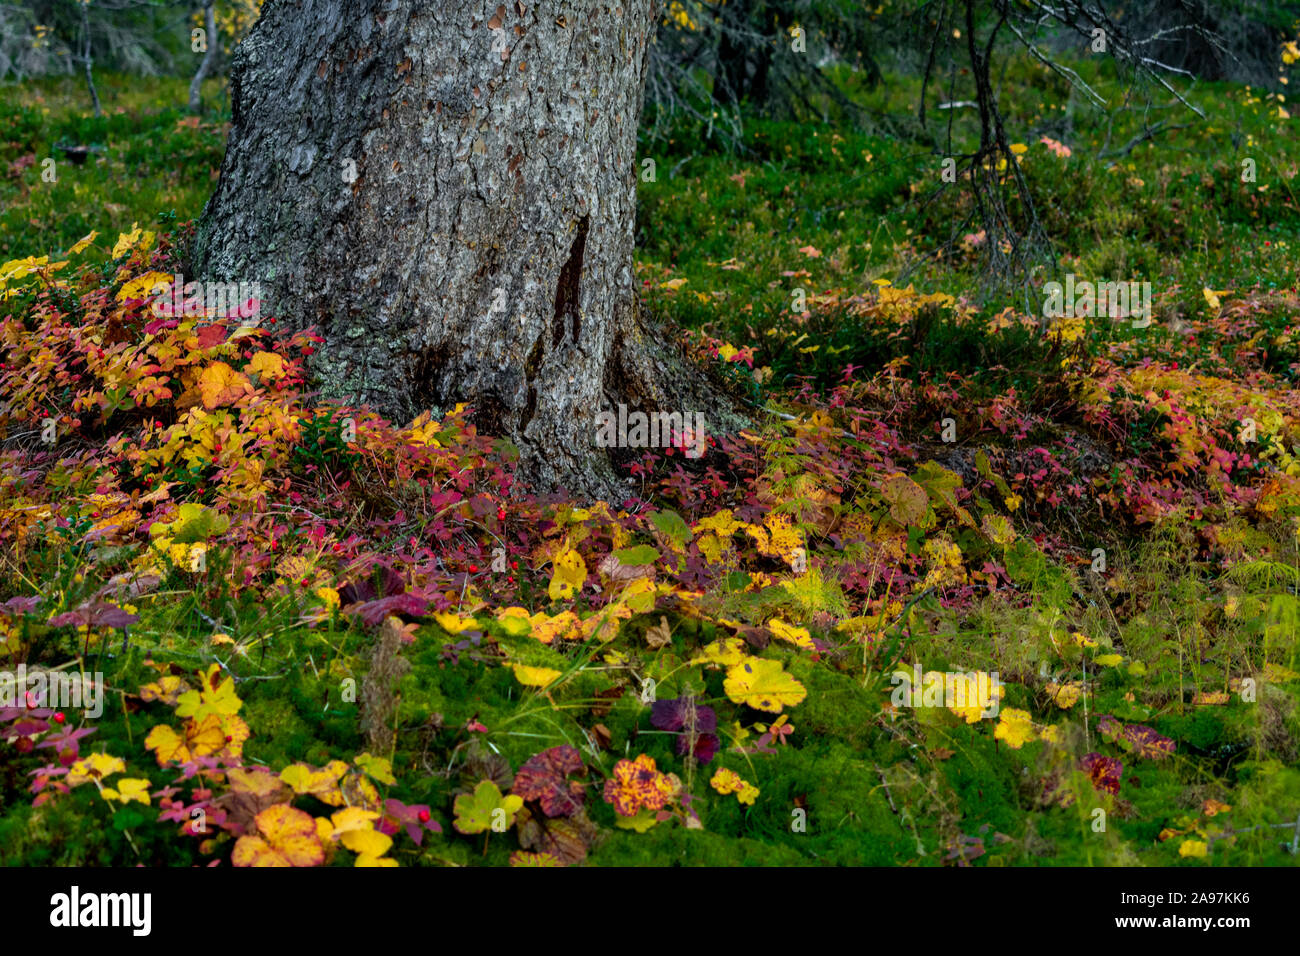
(86, 59)
(447, 192)
(209, 56)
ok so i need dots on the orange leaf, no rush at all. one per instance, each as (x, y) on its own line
(268, 366)
(222, 385)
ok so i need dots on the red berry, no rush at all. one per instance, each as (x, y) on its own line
(514, 565)
(59, 718)
(473, 569)
(510, 579)
(424, 816)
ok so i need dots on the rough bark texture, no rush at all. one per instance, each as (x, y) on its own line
(482, 251)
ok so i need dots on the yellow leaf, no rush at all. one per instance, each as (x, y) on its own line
(168, 689)
(323, 784)
(725, 652)
(798, 636)
(454, 623)
(267, 366)
(1194, 848)
(351, 818)
(517, 621)
(368, 842)
(145, 286)
(94, 767)
(1065, 695)
(723, 524)
(1109, 660)
(639, 595)
(762, 684)
(215, 697)
(1016, 727)
(126, 241)
(1212, 297)
(81, 244)
(570, 574)
(167, 745)
(288, 837)
(549, 629)
(128, 790)
(535, 676)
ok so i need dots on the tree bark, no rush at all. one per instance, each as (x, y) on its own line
(447, 192)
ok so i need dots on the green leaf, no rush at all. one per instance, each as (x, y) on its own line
(907, 501)
(671, 525)
(635, 556)
(194, 523)
(476, 812)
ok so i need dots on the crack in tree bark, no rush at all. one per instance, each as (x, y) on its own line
(568, 291)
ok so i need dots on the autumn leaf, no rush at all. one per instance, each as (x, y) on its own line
(214, 697)
(1065, 695)
(544, 777)
(570, 574)
(1016, 727)
(221, 385)
(477, 812)
(193, 523)
(167, 689)
(725, 652)
(549, 629)
(94, 767)
(1147, 742)
(908, 502)
(322, 783)
(128, 790)
(143, 287)
(728, 781)
(380, 768)
(659, 635)
(286, 837)
(524, 858)
(535, 676)
(762, 684)
(798, 636)
(267, 366)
